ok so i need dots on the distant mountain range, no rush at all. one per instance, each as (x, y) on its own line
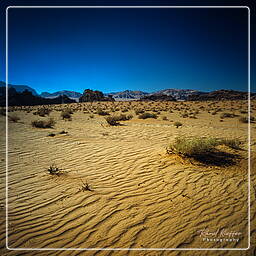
(19, 88)
(127, 95)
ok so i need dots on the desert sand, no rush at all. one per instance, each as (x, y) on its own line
(139, 196)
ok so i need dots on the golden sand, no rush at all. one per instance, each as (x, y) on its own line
(141, 197)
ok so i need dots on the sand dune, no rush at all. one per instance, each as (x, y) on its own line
(141, 197)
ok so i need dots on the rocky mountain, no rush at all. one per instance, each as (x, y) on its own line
(19, 88)
(127, 95)
(221, 95)
(70, 94)
(178, 94)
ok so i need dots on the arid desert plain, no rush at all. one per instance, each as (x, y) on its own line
(87, 183)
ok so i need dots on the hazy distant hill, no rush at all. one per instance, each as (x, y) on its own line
(70, 94)
(127, 95)
(20, 88)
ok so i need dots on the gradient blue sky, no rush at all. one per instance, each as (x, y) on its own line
(137, 49)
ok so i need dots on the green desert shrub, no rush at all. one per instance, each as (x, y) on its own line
(43, 123)
(147, 115)
(192, 146)
(198, 146)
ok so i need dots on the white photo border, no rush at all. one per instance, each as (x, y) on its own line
(132, 249)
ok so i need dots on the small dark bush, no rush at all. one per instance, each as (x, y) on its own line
(63, 132)
(139, 111)
(66, 114)
(111, 120)
(177, 124)
(225, 115)
(54, 170)
(102, 112)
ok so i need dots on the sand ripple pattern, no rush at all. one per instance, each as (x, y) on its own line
(141, 198)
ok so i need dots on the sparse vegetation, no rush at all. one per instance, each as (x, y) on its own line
(42, 112)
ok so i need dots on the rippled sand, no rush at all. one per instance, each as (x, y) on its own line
(141, 197)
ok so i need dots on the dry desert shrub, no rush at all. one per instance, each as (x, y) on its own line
(43, 123)
(14, 118)
(42, 112)
(66, 114)
(147, 115)
(199, 146)
(2, 112)
(111, 120)
(245, 119)
(227, 115)
(232, 143)
(101, 112)
(54, 170)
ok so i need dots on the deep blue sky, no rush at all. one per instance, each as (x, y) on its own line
(136, 49)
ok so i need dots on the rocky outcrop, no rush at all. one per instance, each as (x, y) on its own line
(90, 96)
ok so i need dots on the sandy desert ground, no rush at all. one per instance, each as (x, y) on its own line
(139, 196)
